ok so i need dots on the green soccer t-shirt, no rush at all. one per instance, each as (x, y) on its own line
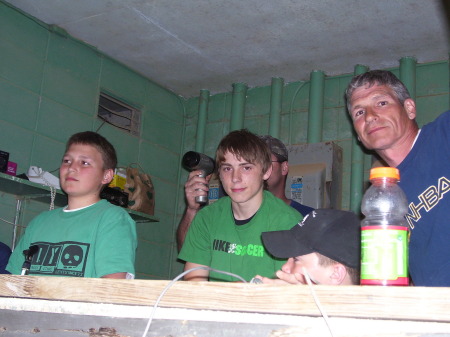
(216, 241)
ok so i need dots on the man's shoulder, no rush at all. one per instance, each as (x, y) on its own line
(435, 134)
(442, 119)
(302, 209)
(445, 115)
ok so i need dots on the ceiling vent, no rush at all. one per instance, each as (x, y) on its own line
(119, 114)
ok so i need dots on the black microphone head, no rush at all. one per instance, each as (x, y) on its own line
(34, 249)
(30, 252)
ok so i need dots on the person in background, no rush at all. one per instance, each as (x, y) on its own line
(5, 253)
(384, 118)
(226, 235)
(89, 237)
(276, 184)
(325, 245)
(277, 180)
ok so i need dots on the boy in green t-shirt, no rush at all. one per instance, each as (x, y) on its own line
(89, 237)
(226, 235)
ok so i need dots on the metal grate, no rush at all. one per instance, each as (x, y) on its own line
(119, 114)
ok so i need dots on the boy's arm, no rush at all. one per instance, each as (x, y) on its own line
(196, 275)
(283, 278)
(116, 276)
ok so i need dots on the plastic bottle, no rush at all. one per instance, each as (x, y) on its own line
(384, 230)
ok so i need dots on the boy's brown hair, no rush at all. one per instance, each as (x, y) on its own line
(244, 145)
(100, 143)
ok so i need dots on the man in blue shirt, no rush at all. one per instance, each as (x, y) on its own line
(384, 117)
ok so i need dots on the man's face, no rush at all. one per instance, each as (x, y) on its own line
(279, 171)
(317, 273)
(241, 180)
(378, 117)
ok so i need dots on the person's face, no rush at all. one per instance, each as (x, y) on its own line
(378, 117)
(81, 172)
(241, 180)
(317, 273)
(279, 171)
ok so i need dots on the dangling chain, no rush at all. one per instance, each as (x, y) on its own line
(52, 193)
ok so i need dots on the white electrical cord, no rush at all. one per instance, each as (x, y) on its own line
(316, 300)
(171, 283)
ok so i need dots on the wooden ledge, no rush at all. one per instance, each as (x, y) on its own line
(398, 303)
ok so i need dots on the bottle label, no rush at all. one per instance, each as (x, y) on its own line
(384, 255)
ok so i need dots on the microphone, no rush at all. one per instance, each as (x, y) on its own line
(28, 257)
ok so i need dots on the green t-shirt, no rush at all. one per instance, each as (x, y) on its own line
(91, 242)
(215, 240)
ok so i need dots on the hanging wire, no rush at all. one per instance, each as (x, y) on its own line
(155, 306)
(316, 300)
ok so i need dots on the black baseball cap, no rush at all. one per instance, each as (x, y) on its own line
(276, 146)
(333, 233)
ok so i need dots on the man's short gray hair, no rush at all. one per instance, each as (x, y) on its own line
(377, 77)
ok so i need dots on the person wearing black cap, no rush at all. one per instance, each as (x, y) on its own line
(325, 246)
(280, 169)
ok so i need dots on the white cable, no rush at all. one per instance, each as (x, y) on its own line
(316, 300)
(171, 283)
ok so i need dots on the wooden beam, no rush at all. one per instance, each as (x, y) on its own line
(34, 317)
(372, 302)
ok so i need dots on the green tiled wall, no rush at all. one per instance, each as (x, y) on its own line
(432, 98)
(49, 88)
